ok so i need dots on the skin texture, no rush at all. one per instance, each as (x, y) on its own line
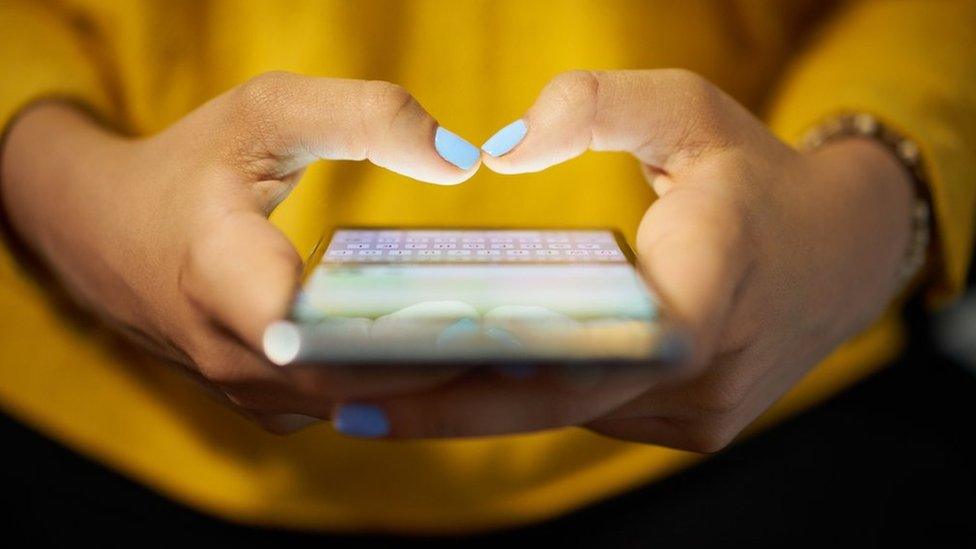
(191, 203)
(769, 257)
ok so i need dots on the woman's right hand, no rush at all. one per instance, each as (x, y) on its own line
(167, 237)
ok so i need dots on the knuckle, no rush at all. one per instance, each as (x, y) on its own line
(706, 110)
(386, 97)
(706, 435)
(263, 90)
(256, 110)
(716, 399)
(692, 85)
(216, 367)
(576, 87)
(217, 364)
(708, 439)
(719, 403)
(383, 103)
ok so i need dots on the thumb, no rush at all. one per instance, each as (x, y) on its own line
(652, 114)
(239, 269)
(692, 248)
(242, 272)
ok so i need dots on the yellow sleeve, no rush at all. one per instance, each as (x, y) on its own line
(44, 53)
(911, 63)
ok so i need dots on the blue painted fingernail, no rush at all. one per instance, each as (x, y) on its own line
(505, 338)
(505, 139)
(455, 150)
(362, 421)
(461, 330)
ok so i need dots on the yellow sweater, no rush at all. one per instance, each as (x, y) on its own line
(475, 65)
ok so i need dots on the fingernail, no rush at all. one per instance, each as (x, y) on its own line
(460, 331)
(282, 342)
(455, 150)
(362, 421)
(505, 338)
(505, 139)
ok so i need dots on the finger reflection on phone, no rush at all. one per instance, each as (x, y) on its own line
(501, 300)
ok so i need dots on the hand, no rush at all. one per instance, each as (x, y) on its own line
(770, 258)
(167, 237)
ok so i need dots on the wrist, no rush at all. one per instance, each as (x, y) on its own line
(906, 152)
(871, 166)
(877, 195)
(47, 151)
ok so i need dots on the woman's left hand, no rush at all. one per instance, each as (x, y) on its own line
(770, 257)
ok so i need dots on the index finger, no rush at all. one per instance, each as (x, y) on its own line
(653, 114)
(289, 121)
(485, 406)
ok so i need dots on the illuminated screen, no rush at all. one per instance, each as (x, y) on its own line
(435, 295)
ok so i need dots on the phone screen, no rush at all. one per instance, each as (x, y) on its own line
(446, 295)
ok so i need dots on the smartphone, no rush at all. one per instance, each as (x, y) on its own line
(427, 297)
